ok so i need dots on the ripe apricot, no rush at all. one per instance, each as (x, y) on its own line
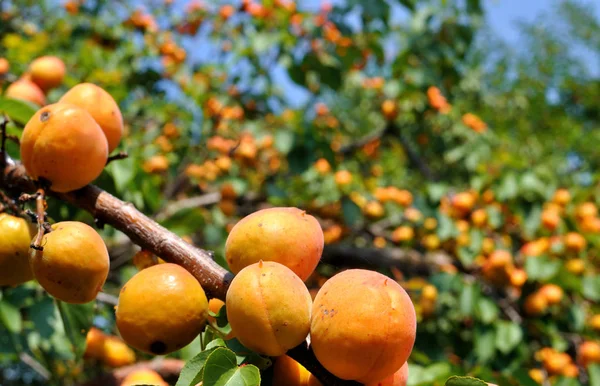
(535, 304)
(343, 177)
(552, 293)
(268, 308)
(26, 90)
(116, 353)
(64, 145)
(589, 352)
(101, 106)
(575, 242)
(479, 217)
(586, 209)
(399, 378)
(15, 236)
(537, 375)
(402, 234)
(373, 209)
(389, 108)
(215, 305)
(463, 201)
(287, 371)
(561, 197)
(555, 362)
(94, 344)
(161, 309)
(363, 326)
(4, 66)
(144, 377)
(288, 236)
(47, 72)
(74, 263)
(322, 166)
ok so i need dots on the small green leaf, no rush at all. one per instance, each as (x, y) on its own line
(508, 336)
(221, 369)
(487, 310)
(591, 287)
(351, 211)
(193, 371)
(541, 268)
(77, 319)
(10, 317)
(464, 381)
(594, 374)
(18, 110)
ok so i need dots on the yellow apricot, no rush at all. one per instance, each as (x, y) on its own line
(15, 237)
(288, 372)
(47, 72)
(4, 66)
(116, 353)
(288, 236)
(268, 308)
(144, 377)
(101, 106)
(94, 344)
(64, 145)
(399, 378)
(215, 305)
(161, 309)
(363, 326)
(73, 264)
(26, 90)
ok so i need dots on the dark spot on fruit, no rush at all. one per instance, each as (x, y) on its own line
(326, 312)
(45, 116)
(285, 324)
(264, 274)
(260, 224)
(158, 347)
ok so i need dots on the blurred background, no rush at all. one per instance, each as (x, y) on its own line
(450, 144)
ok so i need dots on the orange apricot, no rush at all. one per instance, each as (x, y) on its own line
(94, 344)
(575, 242)
(4, 66)
(561, 197)
(402, 234)
(47, 72)
(161, 309)
(399, 378)
(288, 236)
(144, 377)
(26, 90)
(363, 326)
(343, 177)
(116, 353)
(550, 219)
(552, 293)
(73, 264)
(589, 352)
(63, 144)
(215, 305)
(535, 304)
(268, 308)
(101, 106)
(288, 372)
(15, 237)
(389, 108)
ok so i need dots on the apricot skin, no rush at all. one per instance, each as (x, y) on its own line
(47, 72)
(26, 90)
(74, 263)
(268, 308)
(288, 236)
(288, 372)
(399, 378)
(64, 145)
(363, 326)
(15, 236)
(161, 309)
(102, 107)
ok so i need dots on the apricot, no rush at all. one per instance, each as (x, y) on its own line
(4, 66)
(116, 353)
(26, 90)
(74, 263)
(64, 145)
(389, 108)
(555, 362)
(161, 309)
(47, 72)
(343, 177)
(535, 304)
(561, 197)
(144, 377)
(463, 201)
(575, 242)
(215, 305)
(589, 352)
(374, 209)
(268, 308)
(363, 326)
(479, 217)
(552, 293)
(322, 166)
(287, 371)
(594, 322)
(288, 236)
(550, 219)
(94, 344)
(402, 234)
(15, 237)
(399, 378)
(101, 106)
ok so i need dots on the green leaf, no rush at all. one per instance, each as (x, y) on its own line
(509, 187)
(351, 211)
(594, 374)
(18, 110)
(487, 310)
(77, 319)
(591, 287)
(192, 372)
(508, 336)
(541, 268)
(10, 317)
(464, 381)
(221, 369)
(468, 298)
(485, 348)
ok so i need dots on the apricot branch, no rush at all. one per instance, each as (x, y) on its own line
(118, 156)
(40, 210)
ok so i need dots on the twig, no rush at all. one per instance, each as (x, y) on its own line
(118, 156)
(10, 203)
(107, 298)
(187, 203)
(35, 365)
(40, 210)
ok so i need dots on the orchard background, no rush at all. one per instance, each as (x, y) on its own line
(427, 148)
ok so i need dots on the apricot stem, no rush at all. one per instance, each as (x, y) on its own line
(40, 209)
(118, 156)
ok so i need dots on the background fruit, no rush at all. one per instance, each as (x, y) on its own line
(161, 309)
(288, 236)
(47, 72)
(287, 371)
(74, 263)
(350, 304)
(399, 378)
(64, 145)
(268, 308)
(26, 90)
(144, 377)
(15, 236)
(101, 106)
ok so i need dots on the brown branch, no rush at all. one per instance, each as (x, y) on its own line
(118, 156)
(40, 211)
(166, 367)
(151, 236)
